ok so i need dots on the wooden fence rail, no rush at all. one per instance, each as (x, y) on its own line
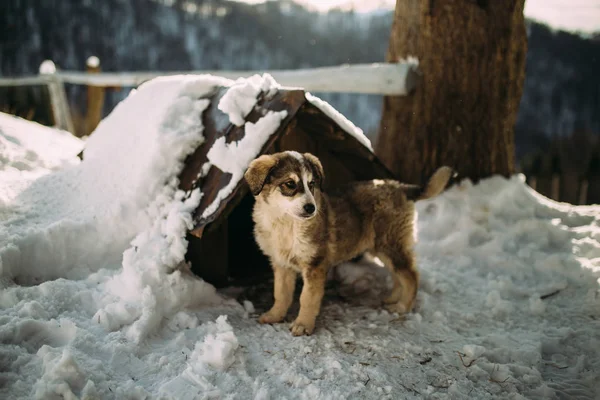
(567, 188)
(567, 176)
(394, 79)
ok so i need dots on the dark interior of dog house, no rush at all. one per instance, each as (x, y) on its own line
(222, 249)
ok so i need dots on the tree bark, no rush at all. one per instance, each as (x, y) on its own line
(462, 114)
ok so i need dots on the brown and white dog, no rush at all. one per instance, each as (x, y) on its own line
(303, 230)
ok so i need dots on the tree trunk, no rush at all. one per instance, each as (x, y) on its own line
(462, 114)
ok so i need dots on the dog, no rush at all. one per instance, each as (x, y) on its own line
(303, 230)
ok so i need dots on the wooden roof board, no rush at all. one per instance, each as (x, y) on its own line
(216, 125)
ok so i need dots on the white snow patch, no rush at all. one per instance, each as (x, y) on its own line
(234, 157)
(340, 119)
(47, 67)
(241, 97)
(249, 307)
(217, 350)
(28, 146)
(82, 218)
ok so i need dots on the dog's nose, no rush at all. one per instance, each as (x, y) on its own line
(309, 208)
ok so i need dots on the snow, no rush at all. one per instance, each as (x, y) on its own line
(27, 152)
(235, 157)
(340, 119)
(92, 62)
(47, 67)
(40, 148)
(241, 97)
(81, 219)
(96, 301)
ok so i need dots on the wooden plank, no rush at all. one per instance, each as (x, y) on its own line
(342, 145)
(555, 188)
(247, 263)
(392, 79)
(95, 98)
(583, 192)
(58, 97)
(209, 256)
(23, 81)
(569, 187)
(533, 182)
(593, 196)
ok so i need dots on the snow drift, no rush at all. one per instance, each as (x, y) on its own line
(95, 302)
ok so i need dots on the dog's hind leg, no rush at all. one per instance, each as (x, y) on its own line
(405, 278)
(284, 285)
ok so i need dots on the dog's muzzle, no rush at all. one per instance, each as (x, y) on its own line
(309, 210)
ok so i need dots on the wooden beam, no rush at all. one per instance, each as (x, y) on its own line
(58, 97)
(393, 79)
(95, 98)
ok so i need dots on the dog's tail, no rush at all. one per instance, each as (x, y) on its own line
(436, 184)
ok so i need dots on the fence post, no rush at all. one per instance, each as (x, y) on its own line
(58, 97)
(556, 173)
(533, 182)
(583, 191)
(95, 97)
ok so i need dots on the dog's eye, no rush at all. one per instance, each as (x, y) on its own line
(311, 184)
(290, 185)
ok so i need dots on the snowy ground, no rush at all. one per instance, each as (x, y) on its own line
(93, 303)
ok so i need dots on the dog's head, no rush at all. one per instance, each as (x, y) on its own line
(288, 181)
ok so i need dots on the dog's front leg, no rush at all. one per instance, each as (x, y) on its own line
(284, 285)
(310, 300)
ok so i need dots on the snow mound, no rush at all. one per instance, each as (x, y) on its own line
(28, 146)
(81, 219)
(28, 151)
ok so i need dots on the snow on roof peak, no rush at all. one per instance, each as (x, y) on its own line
(235, 157)
(242, 95)
(340, 119)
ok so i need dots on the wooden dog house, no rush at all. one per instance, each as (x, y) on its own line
(222, 249)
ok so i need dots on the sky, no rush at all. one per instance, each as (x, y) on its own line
(571, 15)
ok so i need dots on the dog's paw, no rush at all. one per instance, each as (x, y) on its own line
(397, 308)
(299, 328)
(393, 298)
(270, 318)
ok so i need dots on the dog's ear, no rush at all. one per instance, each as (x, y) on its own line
(258, 171)
(316, 167)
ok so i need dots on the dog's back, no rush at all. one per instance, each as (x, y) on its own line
(378, 216)
(368, 197)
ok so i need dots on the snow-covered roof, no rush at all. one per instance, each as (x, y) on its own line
(244, 119)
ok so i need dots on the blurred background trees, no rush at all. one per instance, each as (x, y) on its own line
(561, 92)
